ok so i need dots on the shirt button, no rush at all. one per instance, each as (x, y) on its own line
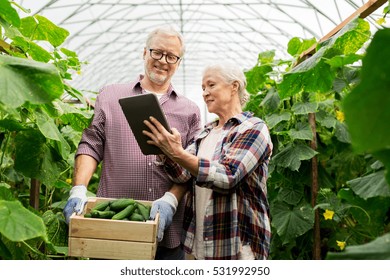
(150, 190)
(149, 163)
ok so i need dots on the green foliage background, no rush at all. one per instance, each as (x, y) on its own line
(346, 87)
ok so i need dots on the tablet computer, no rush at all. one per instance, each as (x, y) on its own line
(138, 108)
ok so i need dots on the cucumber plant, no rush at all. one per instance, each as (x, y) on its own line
(339, 93)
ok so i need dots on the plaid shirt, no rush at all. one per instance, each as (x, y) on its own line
(126, 172)
(237, 212)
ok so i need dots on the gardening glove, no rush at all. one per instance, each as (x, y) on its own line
(166, 206)
(77, 199)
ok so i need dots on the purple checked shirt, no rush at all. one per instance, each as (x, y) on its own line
(126, 172)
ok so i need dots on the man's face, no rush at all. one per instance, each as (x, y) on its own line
(159, 71)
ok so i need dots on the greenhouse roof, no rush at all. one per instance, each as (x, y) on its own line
(110, 34)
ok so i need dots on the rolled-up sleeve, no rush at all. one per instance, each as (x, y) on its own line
(93, 137)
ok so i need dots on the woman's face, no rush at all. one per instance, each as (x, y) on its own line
(217, 93)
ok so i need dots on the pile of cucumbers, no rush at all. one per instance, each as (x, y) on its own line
(120, 209)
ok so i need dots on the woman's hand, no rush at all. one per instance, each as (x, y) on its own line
(169, 143)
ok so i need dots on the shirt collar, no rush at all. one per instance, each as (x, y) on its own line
(235, 119)
(137, 86)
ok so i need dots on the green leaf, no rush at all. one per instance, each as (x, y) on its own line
(370, 214)
(274, 119)
(30, 150)
(384, 157)
(291, 223)
(370, 186)
(342, 60)
(379, 249)
(291, 194)
(296, 45)
(9, 14)
(11, 125)
(78, 119)
(24, 80)
(35, 51)
(304, 108)
(256, 77)
(18, 224)
(351, 37)
(76, 94)
(35, 159)
(68, 53)
(5, 192)
(292, 155)
(266, 57)
(303, 132)
(312, 75)
(326, 120)
(348, 79)
(57, 230)
(342, 133)
(367, 106)
(48, 128)
(271, 101)
(315, 75)
(40, 28)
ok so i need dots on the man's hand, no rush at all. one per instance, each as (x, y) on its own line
(166, 206)
(77, 199)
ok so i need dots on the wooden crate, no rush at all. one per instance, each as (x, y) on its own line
(111, 239)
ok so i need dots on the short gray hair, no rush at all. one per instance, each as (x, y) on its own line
(231, 72)
(166, 30)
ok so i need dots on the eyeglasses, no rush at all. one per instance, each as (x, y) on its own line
(169, 58)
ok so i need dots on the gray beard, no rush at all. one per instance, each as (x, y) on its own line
(158, 79)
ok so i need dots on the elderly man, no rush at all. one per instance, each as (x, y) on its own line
(126, 172)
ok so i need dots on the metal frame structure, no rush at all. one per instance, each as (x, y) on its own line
(110, 34)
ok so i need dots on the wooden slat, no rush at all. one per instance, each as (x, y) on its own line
(363, 12)
(111, 229)
(111, 249)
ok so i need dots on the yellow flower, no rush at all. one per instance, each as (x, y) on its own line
(340, 116)
(69, 181)
(328, 215)
(341, 244)
(381, 21)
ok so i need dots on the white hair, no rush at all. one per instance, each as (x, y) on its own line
(231, 72)
(166, 30)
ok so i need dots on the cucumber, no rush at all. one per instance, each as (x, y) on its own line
(120, 204)
(102, 214)
(143, 210)
(100, 206)
(125, 213)
(136, 217)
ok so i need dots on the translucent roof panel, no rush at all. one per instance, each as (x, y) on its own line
(110, 34)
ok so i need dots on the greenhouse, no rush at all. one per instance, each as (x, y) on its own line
(317, 78)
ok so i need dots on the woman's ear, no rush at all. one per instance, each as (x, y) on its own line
(235, 86)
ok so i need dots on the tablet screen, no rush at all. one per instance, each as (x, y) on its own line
(138, 108)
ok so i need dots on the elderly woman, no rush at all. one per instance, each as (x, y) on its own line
(227, 212)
